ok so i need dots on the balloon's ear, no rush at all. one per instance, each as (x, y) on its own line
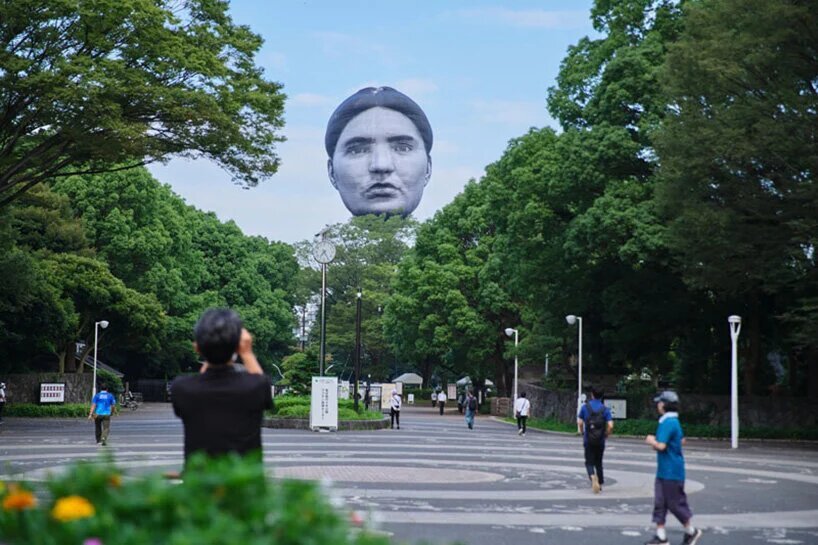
(331, 173)
(428, 175)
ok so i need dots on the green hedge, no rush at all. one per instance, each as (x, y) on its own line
(642, 427)
(220, 502)
(299, 407)
(68, 410)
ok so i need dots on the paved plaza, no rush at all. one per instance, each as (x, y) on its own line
(437, 481)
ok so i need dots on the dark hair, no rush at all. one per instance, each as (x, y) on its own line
(671, 407)
(217, 335)
(371, 97)
(596, 392)
(522, 394)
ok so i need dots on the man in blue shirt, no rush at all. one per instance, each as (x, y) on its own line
(101, 408)
(669, 488)
(595, 423)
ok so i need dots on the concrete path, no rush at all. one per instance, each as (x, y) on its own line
(435, 480)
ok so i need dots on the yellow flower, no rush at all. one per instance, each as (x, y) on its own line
(2, 487)
(18, 500)
(72, 508)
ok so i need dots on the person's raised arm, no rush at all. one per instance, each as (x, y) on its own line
(245, 351)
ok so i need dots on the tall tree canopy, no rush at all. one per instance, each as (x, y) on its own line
(89, 86)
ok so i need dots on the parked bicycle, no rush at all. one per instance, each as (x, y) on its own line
(129, 401)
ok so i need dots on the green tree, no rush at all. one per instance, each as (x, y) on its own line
(94, 87)
(739, 158)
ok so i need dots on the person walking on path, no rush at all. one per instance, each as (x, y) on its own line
(470, 408)
(669, 487)
(434, 398)
(222, 408)
(102, 406)
(522, 408)
(394, 406)
(595, 423)
(441, 401)
(2, 399)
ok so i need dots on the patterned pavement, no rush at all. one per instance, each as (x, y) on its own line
(435, 480)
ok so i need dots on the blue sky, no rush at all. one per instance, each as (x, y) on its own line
(480, 70)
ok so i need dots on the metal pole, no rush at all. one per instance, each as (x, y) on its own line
(515, 365)
(94, 387)
(579, 381)
(546, 365)
(735, 329)
(323, 319)
(303, 326)
(357, 348)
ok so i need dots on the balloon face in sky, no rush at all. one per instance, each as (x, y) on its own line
(379, 143)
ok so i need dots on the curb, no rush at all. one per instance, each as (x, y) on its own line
(809, 442)
(279, 423)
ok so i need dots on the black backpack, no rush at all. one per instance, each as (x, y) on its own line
(595, 425)
(473, 404)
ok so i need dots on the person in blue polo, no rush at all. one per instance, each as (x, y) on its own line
(669, 487)
(102, 406)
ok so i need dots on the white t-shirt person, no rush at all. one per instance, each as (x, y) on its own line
(441, 397)
(522, 406)
(396, 401)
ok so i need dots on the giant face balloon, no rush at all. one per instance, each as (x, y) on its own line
(378, 142)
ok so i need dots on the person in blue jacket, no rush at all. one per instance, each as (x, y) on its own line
(102, 407)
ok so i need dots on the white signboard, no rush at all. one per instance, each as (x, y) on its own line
(618, 408)
(410, 399)
(343, 389)
(52, 392)
(386, 395)
(452, 393)
(324, 403)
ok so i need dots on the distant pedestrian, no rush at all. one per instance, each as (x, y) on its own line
(102, 407)
(2, 399)
(595, 423)
(434, 398)
(367, 399)
(669, 488)
(394, 406)
(470, 407)
(522, 408)
(441, 401)
(461, 402)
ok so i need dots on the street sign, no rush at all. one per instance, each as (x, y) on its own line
(618, 407)
(324, 403)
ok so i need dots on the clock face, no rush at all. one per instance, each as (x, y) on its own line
(324, 251)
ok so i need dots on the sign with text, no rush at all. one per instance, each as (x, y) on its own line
(386, 395)
(324, 403)
(618, 408)
(452, 392)
(52, 392)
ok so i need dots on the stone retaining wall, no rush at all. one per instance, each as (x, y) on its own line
(343, 425)
(25, 388)
(766, 412)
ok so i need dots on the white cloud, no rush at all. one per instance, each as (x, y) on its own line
(415, 87)
(310, 100)
(338, 44)
(527, 18)
(518, 113)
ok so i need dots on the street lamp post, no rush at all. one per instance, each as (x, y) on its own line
(357, 348)
(103, 324)
(509, 331)
(735, 329)
(571, 319)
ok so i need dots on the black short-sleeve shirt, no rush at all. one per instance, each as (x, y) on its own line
(222, 410)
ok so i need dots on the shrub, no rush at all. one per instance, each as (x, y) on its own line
(68, 410)
(225, 502)
(294, 411)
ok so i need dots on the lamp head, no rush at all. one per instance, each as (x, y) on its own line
(571, 319)
(103, 324)
(510, 331)
(734, 319)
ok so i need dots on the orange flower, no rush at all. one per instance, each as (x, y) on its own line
(19, 500)
(115, 480)
(72, 508)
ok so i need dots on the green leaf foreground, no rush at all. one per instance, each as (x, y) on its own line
(227, 502)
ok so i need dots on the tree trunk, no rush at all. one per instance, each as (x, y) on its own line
(812, 371)
(753, 352)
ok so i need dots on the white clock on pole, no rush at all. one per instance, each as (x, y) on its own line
(323, 252)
